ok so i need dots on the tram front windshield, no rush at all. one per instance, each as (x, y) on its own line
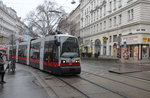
(69, 47)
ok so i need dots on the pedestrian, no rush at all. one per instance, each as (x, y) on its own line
(2, 71)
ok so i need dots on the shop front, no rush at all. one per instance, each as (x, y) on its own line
(135, 47)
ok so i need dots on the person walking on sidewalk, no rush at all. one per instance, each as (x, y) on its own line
(2, 71)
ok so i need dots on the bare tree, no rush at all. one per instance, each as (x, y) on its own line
(45, 18)
(64, 26)
(67, 26)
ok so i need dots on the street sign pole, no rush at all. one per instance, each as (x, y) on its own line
(149, 49)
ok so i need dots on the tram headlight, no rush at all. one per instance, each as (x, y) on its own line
(63, 61)
(77, 61)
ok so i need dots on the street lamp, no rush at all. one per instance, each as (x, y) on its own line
(73, 2)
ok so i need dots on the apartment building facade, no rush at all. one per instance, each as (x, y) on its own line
(74, 20)
(116, 28)
(10, 25)
(71, 24)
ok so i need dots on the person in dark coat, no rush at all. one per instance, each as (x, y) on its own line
(2, 71)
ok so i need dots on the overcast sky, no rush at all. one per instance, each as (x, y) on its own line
(23, 7)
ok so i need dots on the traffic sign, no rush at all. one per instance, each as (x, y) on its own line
(125, 44)
(115, 45)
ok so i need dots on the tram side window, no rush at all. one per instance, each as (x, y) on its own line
(50, 52)
(55, 53)
(22, 52)
(35, 51)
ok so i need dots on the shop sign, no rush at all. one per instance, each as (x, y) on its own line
(146, 39)
(125, 44)
(130, 39)
(105, 38)
(1, 37)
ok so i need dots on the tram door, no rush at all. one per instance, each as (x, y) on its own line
(35, 53)
(42, 54)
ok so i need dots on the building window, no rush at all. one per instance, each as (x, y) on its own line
(104, 24)
(110, 6)
(97, 13)
(130, 14)
(100, 26)
(91, 5)
(94, 16)
(114, 4)
(114, 38)
(91, 30)
(97, 27)
(114, 21)
(109, 38)
(110, 50)
(119, 3)
(100, 12)
(110, 23)
(120, 18)
(104, 10)
(94, 29)
(94, 4)
(91, 17)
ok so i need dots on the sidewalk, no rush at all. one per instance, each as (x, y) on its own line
(21, 84)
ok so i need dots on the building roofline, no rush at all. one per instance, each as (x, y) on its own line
(74, 10)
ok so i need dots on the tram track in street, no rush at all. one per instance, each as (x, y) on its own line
(105, 88)
(67, 80)
(137, 78)
(73, 87)
(117, 81)
(60, 79)
(121, 95)
(73, 84)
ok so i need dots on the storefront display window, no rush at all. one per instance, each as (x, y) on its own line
(136, 49)
(144, 51)
(138, 46)
(125, 53)
(131, 51)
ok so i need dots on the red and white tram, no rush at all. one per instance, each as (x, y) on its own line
(57, 54)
